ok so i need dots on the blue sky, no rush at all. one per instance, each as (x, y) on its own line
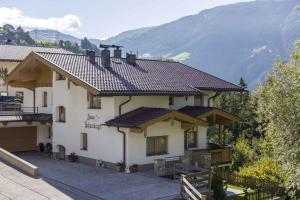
(99, 18)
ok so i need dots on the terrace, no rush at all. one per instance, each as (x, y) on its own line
(12, 110)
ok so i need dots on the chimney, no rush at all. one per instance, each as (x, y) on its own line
(91, 56)
(117, 51)
(131, 58)
(105, 55)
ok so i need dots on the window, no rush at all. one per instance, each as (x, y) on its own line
(83, 141)
(61, 116)
(94, 101)
(20, 95)
(45, 96)
(157, 145)
(190, 139)
(171, 101)
(59, 77)
(199, 101)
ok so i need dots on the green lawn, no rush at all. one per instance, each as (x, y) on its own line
(238, 196)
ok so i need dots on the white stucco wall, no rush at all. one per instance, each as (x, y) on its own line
(39, 99)
(106, 143)
(136, 153)
(202, 137)
(180, 102)
(139, 101)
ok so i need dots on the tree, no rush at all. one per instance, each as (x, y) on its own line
(278, 111)
(86, 44)
(239, 104)
(70, 46)
(243, 153)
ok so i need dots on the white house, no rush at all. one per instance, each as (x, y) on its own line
(118, 109)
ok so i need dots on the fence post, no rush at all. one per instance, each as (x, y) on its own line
(181, 186)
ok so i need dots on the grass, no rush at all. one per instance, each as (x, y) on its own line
(235, 187)
(238, 196)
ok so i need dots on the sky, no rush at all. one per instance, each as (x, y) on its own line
(99, 18)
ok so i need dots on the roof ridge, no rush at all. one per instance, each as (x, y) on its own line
(62, 53)
(82, 54)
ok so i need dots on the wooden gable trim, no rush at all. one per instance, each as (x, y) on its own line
(178, 116)
(53, 67)
(221, 113)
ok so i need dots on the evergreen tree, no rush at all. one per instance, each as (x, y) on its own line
(86, 44)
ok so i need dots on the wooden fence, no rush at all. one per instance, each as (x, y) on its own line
(255, 189)
(196, 186)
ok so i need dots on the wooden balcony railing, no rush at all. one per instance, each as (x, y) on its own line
(211, 157)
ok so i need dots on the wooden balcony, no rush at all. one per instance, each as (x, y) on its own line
(212, 156)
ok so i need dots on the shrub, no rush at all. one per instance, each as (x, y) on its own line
(243, 153)
(265, 169)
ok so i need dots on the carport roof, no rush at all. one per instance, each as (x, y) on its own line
(145, 116)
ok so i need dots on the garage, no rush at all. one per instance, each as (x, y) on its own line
(18, 138)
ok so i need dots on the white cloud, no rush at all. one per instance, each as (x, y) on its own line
(68, 24)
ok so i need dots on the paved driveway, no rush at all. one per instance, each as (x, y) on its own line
(88, 182)
(17, 186)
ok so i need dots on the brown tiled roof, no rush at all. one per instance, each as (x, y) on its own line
(148, 77)
(137, 117)
(195, 111)
(18, 53)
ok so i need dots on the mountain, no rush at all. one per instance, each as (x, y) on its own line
(54, 35)
(231, 41)
(49, 34)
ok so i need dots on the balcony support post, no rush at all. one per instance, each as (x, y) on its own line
(33, 100)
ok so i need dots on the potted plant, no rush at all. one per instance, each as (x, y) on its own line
(49, 149)
(120, 166)
(133, 168)
(42, 147)
(72, 157)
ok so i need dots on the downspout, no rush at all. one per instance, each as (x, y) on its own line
(212, 97)
(122, 132)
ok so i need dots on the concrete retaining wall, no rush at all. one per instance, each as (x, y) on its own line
(18, 162)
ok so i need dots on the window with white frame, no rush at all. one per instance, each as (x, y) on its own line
(83, 141)
(157, 145)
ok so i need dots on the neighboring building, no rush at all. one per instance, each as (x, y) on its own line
(19, 132)
(122, 109)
